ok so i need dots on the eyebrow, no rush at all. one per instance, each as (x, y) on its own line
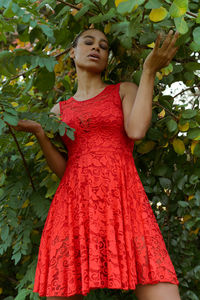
(90, 36)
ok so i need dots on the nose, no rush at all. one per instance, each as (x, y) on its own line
(96, 47)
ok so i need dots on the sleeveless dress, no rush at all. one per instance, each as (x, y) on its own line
(100, 231)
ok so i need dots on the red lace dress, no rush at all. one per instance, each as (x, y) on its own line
(100, 231)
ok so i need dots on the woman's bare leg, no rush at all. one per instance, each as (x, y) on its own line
(160, 291)
(75, 297)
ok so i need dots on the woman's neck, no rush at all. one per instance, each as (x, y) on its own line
(88, 84)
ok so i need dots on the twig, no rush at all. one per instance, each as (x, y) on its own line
(97, 5)
(60, 54)
(169, 112)
(25, 72)
(187, 12)
(22, 155)
(191, 14)
(186, 90)
(75, 7)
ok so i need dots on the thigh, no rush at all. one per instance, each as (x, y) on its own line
(164, 291)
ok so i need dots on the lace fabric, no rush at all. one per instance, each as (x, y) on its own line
(100, 231)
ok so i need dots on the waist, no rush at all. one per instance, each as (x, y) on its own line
(72, 154)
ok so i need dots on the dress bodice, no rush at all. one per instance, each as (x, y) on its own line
(98, 124)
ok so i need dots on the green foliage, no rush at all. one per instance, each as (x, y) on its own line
(36, 72)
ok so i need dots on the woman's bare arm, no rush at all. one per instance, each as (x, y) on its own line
(54, 158)
(137, 101)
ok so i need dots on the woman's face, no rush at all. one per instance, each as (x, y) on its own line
(91, 52)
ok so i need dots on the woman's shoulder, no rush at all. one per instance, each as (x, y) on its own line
(127, 87)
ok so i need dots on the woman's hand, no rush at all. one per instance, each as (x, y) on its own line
(28, 126)
(161, 57)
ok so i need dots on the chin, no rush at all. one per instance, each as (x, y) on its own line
(93, 68)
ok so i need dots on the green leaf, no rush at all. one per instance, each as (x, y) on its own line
(181, 25)
(182, 181)
(49, 63)
(47, 30)
(190, 295)
(165, 182)
(2, 125)
(10, 119)
(22, 294)
(101, 18)
(45, 80)
(82, 12)
(4, 232)
(147, 38)
(28, 85)
(194, 133)
(126, 7)
(151, 4)
(196, 35)
(172, 125)
(189, 113)
(61, 129)
(183, 204)
(161, 170)
(192, 66)
(178, 8)
(8, 12)
(197, 150)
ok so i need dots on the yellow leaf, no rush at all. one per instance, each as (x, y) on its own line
(179, 146)
(26, 203)
(190, 197)
(138, 142)
(107, 28)
(1, 291)
(117, 2)
(54, 177)
(14, 104)
(167, 70)
(151, 45)
(22, 108)
(159, 75)
(158, 14)
(186, 218)
(166, 145)
(184, 127)
(30, 144)
(196, 231)
(59, 66)
(155, 99)
(50, 135)
(39, 154)
(161, 114)
(194, 143)
(146, 147)
(74, 12)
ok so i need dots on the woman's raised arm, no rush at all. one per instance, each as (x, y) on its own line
(137, 102)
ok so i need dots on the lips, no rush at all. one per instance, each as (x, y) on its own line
(94, 55)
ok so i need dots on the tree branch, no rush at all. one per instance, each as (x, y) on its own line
(169, 112)
(75, 7)
(22, 155)
(198, 86)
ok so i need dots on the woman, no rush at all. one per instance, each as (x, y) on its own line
(100, 231)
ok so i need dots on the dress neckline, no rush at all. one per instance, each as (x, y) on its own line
(94, 96)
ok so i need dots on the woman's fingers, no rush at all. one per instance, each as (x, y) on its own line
(157, 43)
(173, 41)
(167, 41)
